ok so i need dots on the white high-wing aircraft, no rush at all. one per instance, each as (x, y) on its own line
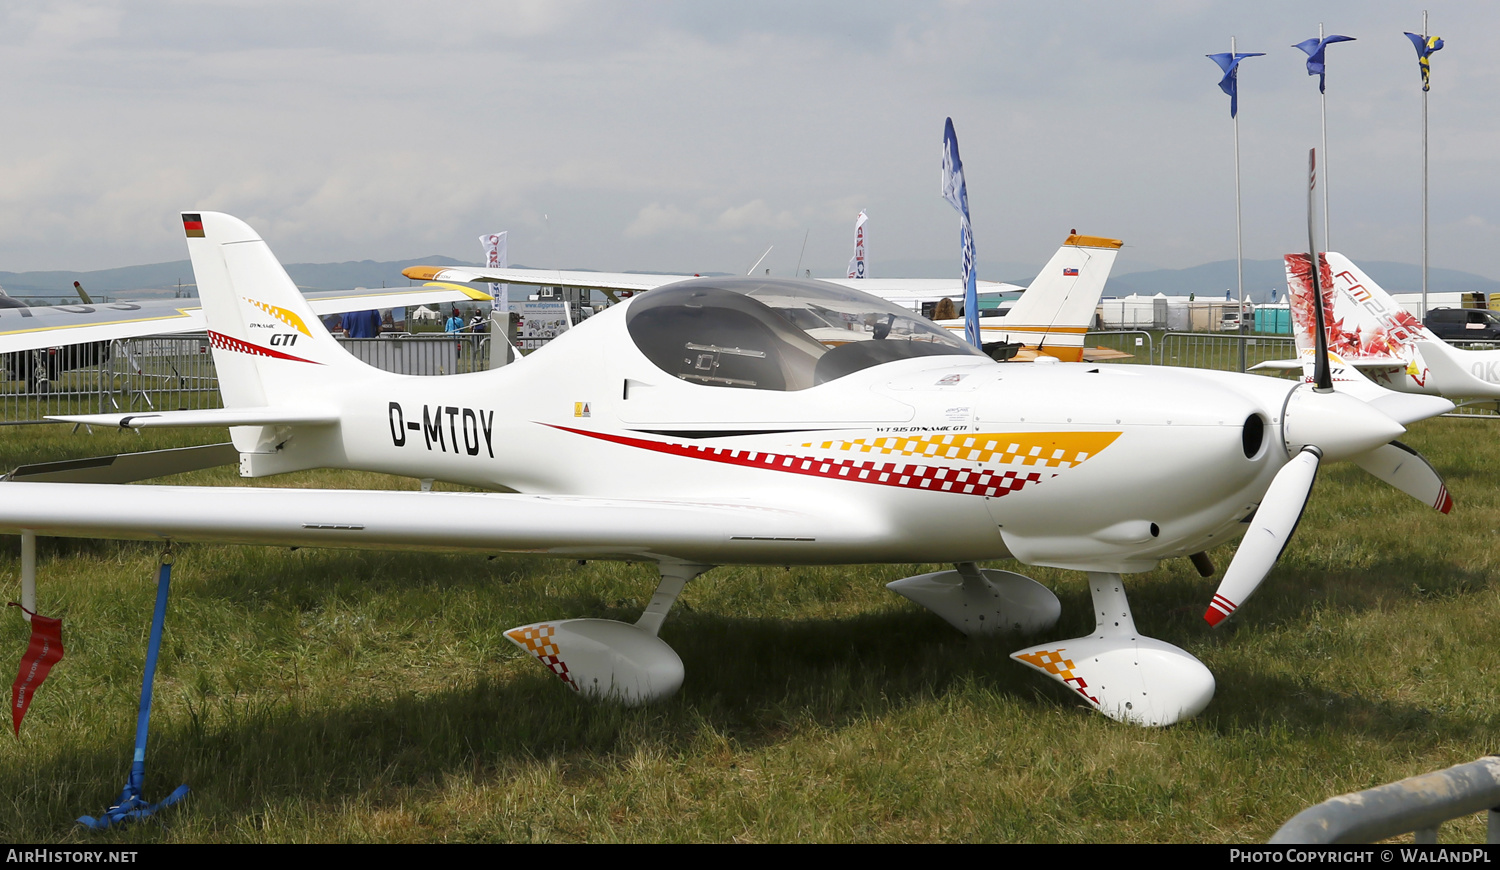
(699, 425)
(1370, 331)
(1050, 318)
(25, 327)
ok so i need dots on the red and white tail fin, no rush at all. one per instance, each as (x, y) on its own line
(268, 345)
(1365, 325)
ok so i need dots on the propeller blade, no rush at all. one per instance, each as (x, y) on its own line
(1407, 470)
(1272, 527)
(1322, 376)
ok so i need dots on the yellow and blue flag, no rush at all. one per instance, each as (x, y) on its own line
(1314, 48)
(1425, 46)
(1230, 83)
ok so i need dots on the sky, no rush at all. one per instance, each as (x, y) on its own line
(690, 136)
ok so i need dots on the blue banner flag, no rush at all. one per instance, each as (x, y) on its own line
(957, 195)
(1425, 46)
(1314, 48)
(1229, 84)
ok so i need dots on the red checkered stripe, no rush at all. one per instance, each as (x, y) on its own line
(1053, 662)
(937, 478)
(538, 640)
(225, 342)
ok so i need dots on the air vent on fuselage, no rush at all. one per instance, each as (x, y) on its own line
(1253, 435)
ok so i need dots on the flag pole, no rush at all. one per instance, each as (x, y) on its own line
(1239, 253)
(1424, 179)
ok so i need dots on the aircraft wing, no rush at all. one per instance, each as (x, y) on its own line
(58, 325)
(543, 277)
(920, 289)
(571, 526)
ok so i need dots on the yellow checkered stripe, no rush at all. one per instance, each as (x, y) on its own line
(1052, 662)
(281, 314)
(539, 641)
(1048, 449)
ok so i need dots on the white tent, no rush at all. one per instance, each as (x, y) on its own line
(424, 314)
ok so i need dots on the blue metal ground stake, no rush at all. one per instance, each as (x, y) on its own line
(131, 806)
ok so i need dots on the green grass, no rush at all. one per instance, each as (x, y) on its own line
(371, 697)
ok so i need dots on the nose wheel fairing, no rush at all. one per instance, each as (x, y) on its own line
(1120, 672)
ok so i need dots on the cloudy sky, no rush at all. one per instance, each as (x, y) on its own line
(692, 136)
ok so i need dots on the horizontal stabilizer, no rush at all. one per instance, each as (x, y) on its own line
(1278, 365)
(1362, 363)
(129, 467)
(211, 417)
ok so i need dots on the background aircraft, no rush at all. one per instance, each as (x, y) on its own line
(40, 342)
(1051, 317)
(1370, 331)
(696, 425)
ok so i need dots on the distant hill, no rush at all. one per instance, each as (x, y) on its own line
(1210, 280)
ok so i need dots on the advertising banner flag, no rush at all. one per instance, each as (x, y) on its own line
(957, 194)
(496, 256)
(857, 264)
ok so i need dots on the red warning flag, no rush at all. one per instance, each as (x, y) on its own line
(44, 651)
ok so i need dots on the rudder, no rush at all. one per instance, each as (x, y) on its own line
(264, 335)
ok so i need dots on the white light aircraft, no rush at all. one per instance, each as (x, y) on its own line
(1370, 331)
(700, 424)
(1050, 318)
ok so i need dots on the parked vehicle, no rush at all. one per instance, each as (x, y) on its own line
(1463, 323)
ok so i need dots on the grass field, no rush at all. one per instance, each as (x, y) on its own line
(317, 695)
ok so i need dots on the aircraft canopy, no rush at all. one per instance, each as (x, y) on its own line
(777, 334)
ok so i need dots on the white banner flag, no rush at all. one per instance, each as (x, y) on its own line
(496, 256)
(857, 264)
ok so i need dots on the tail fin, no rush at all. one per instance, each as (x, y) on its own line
(1365, 325)
(268, 345)
(1059, 306)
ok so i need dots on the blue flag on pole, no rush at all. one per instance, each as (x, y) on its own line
(1425, 46)
(1314, 48)
(1229, 84)
(957, 195)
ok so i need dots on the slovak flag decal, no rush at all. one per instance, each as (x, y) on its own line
(1070, 273)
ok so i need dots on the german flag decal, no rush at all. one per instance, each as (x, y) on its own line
(192, 224)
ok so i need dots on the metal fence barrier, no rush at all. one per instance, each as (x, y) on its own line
(1203, 350)
(1419, 804)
